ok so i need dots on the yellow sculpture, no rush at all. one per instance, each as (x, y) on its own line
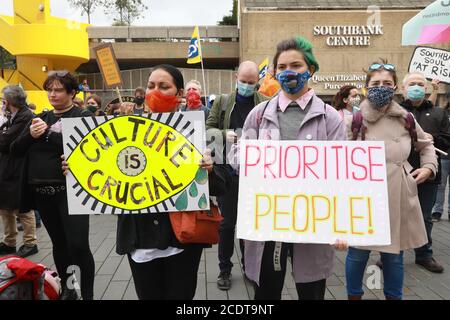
(41, 43)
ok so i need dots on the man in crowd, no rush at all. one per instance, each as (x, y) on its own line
(227, 116)
(434, 121)
(139, 99)
(11, 171)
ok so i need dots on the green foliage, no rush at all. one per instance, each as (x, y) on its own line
(86, 6)
(124, 12)
(230, 20)
(7, 60)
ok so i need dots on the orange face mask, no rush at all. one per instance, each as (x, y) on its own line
(159, 102)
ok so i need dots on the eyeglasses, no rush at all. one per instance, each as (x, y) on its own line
(378, 66)
(60, 74)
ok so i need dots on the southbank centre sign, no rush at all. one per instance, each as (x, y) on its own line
(354, 35)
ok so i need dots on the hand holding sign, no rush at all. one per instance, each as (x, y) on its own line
(206, 162)
(231, 136)
(341, 245)
(435, 84)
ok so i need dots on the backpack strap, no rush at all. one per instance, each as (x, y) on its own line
(410, 125)
(260, 117)
(358, 126)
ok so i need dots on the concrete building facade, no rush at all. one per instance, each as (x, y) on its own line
(347, 35)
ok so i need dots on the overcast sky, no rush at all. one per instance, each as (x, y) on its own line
(159, 13)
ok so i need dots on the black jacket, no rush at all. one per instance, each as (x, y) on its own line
(11, 166)
(154, 231)
(433, 120)
(42, 155)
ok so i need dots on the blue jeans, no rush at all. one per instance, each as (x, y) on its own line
(355, 264)
(440, 197)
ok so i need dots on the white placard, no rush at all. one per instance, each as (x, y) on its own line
(136, 164)
(433, 63)
(313, 192)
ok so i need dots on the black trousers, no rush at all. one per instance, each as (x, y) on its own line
(70, 239)
(427, 196)
(271, 281)
(171, 278)
(228, 206)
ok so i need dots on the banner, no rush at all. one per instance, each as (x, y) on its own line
(263, 68)
(433, 63)
(133, 164)
(313, 192)
(195, 51)
(106, 60)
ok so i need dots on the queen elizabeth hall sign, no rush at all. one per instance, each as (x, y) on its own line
(132, 164)
(313, 192)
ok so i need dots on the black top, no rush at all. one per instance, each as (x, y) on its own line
(434, 121)
(240, 111)
(12, 167)
(154, 230)
(44, 153)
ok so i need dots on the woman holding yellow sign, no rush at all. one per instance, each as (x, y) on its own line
(162, 267)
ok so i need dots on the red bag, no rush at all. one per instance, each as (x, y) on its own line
(22, 279)
(197, 226)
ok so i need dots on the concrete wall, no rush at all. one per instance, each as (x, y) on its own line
(261, 31)
(95, 33)
(170, 50)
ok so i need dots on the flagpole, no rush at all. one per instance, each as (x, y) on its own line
(203, 69)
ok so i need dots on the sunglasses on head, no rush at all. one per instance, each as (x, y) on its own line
(60, 74)
(378, 66)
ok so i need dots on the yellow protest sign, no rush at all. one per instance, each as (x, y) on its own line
(135, 164)
(107, 63)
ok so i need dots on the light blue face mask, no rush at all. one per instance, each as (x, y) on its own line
(415, 92)
(245, 89)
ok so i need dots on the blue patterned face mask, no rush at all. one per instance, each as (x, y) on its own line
(292, 82)
(380, 96)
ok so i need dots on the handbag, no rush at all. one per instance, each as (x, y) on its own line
(201, 226)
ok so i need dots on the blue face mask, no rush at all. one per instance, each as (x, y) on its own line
(245, 89)
(292, 82)
(415, 93)
(380, 96)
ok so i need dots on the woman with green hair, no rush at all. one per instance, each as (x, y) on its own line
(295, 113)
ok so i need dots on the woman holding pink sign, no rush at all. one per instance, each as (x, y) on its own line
(295, 113)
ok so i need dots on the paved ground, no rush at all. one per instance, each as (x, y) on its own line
(113, 277)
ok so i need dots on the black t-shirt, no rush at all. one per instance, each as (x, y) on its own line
(240, 111)
(44, 153)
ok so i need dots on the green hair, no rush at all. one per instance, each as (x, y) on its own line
(300, 44)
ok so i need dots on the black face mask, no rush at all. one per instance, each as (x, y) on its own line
(139, 100)
(92, 108)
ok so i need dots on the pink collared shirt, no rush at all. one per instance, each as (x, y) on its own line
(284, 101)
